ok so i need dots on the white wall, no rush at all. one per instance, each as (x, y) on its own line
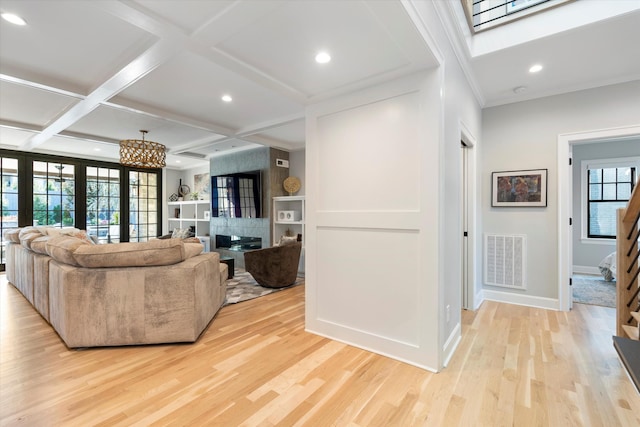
(373, 173)
(587, 253)
(383, 169)
(461, 120)
(525, 136)
(297, 168)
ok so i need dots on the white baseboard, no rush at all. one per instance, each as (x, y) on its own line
(518, 299)
(582, 269)
(478, 300)
(452, 344)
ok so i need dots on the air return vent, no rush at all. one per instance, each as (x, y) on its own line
(504, 260)
(192, 154)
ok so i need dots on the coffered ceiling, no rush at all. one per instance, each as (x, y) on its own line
(82, 75)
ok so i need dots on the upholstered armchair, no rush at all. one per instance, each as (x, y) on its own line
(275, 267)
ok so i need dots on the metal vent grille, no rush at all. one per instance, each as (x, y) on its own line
(192, 154)
(504, 260)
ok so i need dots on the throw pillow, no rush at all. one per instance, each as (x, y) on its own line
(180, 233)
(82, 234)
(287, 240)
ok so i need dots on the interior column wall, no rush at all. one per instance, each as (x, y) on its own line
(373, 172)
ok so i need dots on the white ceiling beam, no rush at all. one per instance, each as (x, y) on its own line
(132, 72)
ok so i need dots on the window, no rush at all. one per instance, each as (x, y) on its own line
(115, 202)
(53, 194)
(609, 184)
(143, 205)
(103, 204)
(9, 195)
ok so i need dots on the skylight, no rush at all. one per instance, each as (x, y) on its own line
(485, 14)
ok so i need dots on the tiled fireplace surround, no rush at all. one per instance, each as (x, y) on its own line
(272, 177)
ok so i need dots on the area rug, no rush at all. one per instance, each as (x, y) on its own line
(243, 287)
(594, 290)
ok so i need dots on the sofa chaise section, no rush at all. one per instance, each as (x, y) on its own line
(160, 291)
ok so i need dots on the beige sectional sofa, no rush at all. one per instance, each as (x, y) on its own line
(160, 291)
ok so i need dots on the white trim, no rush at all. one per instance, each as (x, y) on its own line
(394, 356)
(479, 299)
(565, 141)
(472, 213)
(451, 344)
(448, 18)
(583, 269)
(601, 163)
(518, 299)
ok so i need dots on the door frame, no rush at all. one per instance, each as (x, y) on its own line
(469, 297)
(565, 143)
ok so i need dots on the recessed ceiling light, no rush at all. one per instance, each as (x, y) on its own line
(535, 68)
(14, 19)
(177, 161)
(96, 149)
(323, 57)
(227, 98)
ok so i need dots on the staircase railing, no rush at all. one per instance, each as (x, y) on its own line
(628, 268)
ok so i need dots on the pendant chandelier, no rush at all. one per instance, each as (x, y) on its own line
(142, 154)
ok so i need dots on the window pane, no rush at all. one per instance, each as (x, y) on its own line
(595, 192)
(602, 218)
(594, 176)
(609, 191)
(103, 205)
(624, 191)
(609, 175)
(9, 199)
(624, 174)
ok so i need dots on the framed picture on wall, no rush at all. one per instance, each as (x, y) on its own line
(202, 185)
(523, 188)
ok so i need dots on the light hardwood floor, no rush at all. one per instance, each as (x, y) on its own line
(256, 366)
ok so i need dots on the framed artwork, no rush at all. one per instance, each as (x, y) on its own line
(202, 185)
(524, 188)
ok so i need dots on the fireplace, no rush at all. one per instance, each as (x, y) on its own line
(238, 243)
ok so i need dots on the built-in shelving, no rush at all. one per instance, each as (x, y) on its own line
(193, 213)
(288, 219)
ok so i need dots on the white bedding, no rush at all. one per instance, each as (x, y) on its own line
(608, 267)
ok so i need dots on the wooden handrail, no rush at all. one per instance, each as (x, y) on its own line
(628, 268)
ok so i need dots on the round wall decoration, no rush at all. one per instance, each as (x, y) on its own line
(292, 185)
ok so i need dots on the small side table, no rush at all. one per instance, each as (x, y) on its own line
(230, 263)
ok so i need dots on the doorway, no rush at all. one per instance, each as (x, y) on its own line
(468, 226)
(566, 142)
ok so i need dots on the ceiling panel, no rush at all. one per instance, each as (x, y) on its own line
(12, 138)
(188, 15)
(195, 90)
(283, 44)
(117, 124)
(31, 105)
(81, 148)
(293, 133)
(68, 41)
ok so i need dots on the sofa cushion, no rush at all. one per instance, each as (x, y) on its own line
(39, 245)
(61, 248)
(192, 249)
(131, 254)
(12, 235)
(27, 238)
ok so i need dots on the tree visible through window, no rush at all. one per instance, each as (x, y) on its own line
(103, 203)
(53, 194)
(608, 188)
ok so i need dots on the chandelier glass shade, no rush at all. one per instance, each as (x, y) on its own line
(142, 154)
